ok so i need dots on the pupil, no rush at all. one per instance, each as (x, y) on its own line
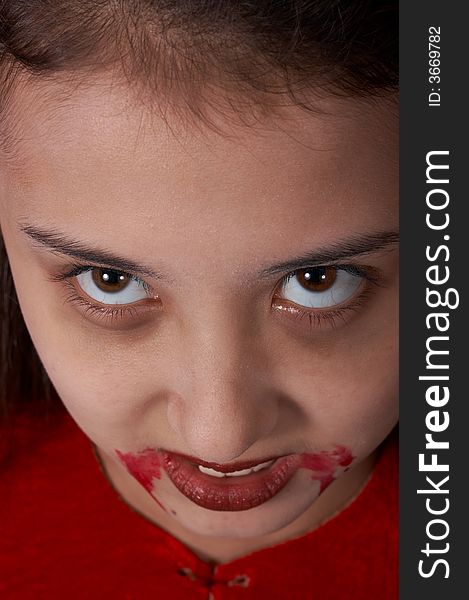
(109, 281)
(317, 279)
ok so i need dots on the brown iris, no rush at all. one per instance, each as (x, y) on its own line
(110, 281)
(317, 279)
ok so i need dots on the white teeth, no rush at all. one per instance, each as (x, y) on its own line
(238, 473)
(215, 473)
(210, 471)
(263, 465)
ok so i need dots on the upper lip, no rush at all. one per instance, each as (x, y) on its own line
(226, 467)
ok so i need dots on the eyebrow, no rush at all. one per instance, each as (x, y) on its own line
(352, 247)
(348, 248)
(60, 243)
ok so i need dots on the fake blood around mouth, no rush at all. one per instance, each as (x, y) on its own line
(144, 467)
(325, 464)
(233, 493)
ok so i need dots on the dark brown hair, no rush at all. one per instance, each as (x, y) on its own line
(197, 53)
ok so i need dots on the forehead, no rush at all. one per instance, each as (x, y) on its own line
(98, 162)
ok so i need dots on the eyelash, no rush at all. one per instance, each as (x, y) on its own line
(101, 312)
(317, 317)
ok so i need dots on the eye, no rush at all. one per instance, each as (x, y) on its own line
(320, 287)
(111, 287)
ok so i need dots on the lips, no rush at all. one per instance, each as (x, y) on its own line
(236, 486)
(229, 489)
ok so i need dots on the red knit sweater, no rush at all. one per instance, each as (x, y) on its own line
(65, 534)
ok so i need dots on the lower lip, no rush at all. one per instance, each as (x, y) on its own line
(229, 493)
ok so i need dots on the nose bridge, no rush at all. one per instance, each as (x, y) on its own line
(225, 406)
(217, 336)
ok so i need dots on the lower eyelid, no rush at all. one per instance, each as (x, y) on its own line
(322, 317)
(111, 312)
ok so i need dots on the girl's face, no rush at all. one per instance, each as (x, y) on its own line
(229, 298)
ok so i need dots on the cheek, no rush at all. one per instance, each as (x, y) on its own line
(66, 355)
(363, 405)
(88, 380)
(350, 394)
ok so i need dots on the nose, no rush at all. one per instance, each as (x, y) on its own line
(225, 404)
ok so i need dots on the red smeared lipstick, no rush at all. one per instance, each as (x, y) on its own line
(144, 467)
(325, 464)
(234, 486)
